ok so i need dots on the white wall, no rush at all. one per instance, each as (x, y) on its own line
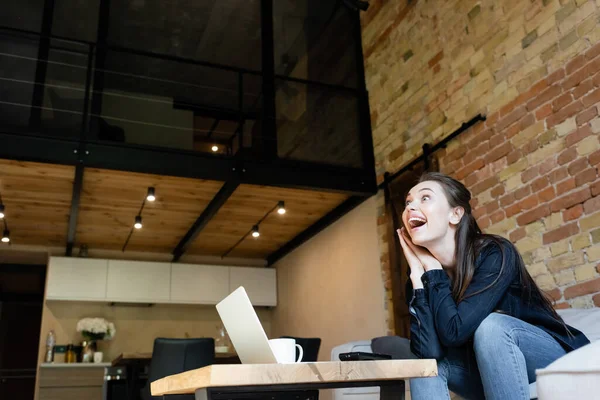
(331, 286)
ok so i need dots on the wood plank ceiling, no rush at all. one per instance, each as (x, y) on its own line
(38, 198)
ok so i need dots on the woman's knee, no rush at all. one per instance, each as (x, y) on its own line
(493, 327)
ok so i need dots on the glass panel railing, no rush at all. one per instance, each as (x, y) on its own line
(317, 124)
(316, 41)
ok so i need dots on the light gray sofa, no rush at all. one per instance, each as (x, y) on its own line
(586, 320)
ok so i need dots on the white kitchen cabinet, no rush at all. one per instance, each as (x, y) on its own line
(260, 284)
(198, 284)
(72, 278)
(138, 282)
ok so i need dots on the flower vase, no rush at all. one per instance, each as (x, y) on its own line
(89, 348)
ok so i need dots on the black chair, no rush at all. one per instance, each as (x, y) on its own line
(173, 356)
(310, 346)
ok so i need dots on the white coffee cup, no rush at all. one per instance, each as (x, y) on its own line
(98, 357)
(285, 350)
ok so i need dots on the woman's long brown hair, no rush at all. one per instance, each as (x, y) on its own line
(470, 241)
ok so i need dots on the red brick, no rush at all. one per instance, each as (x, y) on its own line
(514, 156)
(532, 92)
(592, 67)
(543, 112)
(522, 192)
(530, 147)
(547, 166)
(525, 123)
(592, 205)
(597, 79)
(564, 113)
(555, 76)
(497, 216)
(585, 176)
(533, 215)
(546, 195)
(558, 175)
(507, 200)
(596, 299)
(484, 185)
(562, 306)
(471, 180)
(481, 137)
(498, 152)
(492, 119)
(577, 166)
(530, 173)
(592, 98)
(595, 187)
(566, 186)
(573, 213)
(529, 202)
(492, 206)
(544, 97)
(567, 156)
(517, 234)
(586, 116)
(593, 52)
(561, 101)
(573, 80)
(436, 59)
(498, 191)
(583, 88)
(580, 134)
(498, 139)
(513, 209)
(469, 169)
(484, 222)
(594, 158)
(456, 154)
(581, 289)
(561, 233)
(554, 294)
(479, 212)
(570, 200)
(511, 118)
(575, 64)
(539, 184)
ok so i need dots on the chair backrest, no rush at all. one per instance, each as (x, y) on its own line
(173, 356)
(310, 346)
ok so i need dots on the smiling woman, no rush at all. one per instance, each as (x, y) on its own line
(473, 301)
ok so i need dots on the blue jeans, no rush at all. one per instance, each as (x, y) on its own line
(500, 365)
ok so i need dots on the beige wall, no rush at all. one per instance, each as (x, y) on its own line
(137, 327)
(331, 286)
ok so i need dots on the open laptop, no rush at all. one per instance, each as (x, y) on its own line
(244, 329)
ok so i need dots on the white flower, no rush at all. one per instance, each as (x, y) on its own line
(97, 326)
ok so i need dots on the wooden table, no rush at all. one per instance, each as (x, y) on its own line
(277, 381)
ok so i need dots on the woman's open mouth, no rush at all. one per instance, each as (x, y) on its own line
(416, 222)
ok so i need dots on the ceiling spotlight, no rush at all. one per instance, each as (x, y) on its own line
(215, 148)
(6, 236)
(1, 211)
(281, 207)
(255, 232)
(138, 222)
(150, 196)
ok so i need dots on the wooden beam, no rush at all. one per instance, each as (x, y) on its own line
(75, 198)
(209, 212)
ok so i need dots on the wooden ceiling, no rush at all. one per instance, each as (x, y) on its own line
(38, 204)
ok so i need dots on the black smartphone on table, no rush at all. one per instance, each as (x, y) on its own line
(363, 356)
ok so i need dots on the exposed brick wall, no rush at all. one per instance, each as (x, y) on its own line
(533, 68)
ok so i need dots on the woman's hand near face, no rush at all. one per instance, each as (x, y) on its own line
(414, 263)
(419, 258)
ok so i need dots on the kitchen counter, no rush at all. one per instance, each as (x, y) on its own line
(75, 365)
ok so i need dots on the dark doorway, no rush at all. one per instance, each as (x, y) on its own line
(21, 303)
